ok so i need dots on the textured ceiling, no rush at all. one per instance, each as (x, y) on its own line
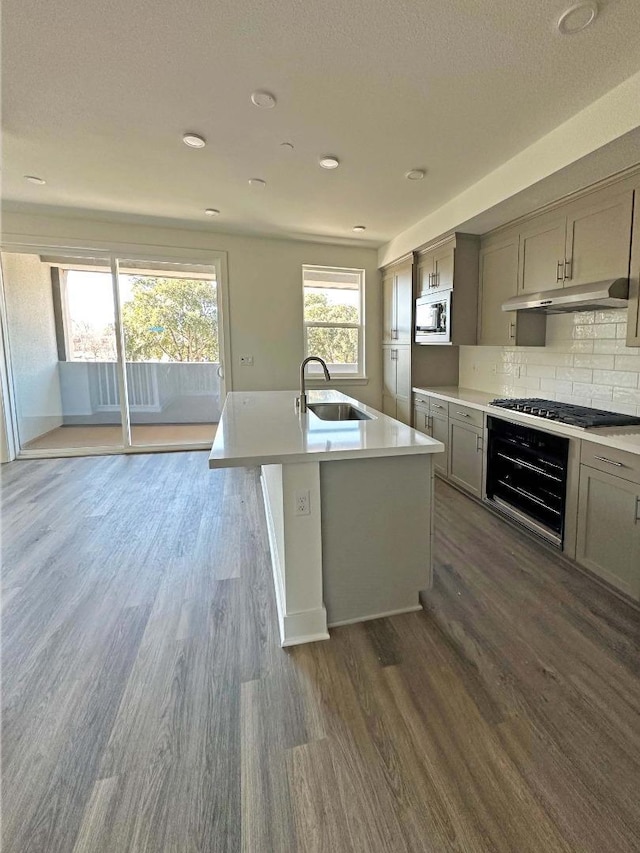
(96, 97)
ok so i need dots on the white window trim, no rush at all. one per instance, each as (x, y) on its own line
(360, 376)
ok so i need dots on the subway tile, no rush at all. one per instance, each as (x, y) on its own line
(602, 362)
(540, 370)
(575, 374)
(623, 378)
(621, 331)
(611, 315)
(559, 387)
(627, 395)
(591, 389)
(580, 332)
(610, 346)
(581, 346)
(627, 362)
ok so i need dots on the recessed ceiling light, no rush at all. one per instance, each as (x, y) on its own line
(212, 211)
(193, 140)
(577, 17)
(288, 146)
(329, 162)
(34, 179)
(415, 175)
(257, 183)
(264, 100)
(359, 227)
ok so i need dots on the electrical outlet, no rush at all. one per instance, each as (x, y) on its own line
(246, 360)
(494, 368)
(303, 502)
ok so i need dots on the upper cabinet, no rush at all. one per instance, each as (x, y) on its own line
(541, 254)
(453, 266)
(397, 304)
(436, 268)
(580, 242)
(498, 282)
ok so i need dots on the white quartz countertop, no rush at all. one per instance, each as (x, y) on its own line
(263, 428)
(621, 438)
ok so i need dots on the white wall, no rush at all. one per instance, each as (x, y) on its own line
(585, 362)
(32, 339)
(265, 290)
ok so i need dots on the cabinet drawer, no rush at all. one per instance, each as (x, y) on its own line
(466, 415)
(438, 407)
(611, 460)
(421, 400)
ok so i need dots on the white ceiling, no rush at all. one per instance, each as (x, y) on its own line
(96, 97)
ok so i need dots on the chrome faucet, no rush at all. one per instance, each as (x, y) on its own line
(301, 401)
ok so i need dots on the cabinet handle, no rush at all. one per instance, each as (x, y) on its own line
(394, 334)
(637, 518)
(567, 270)
(610, 461)
(464, 414)
(478, 443)
(559, 270)
(436, 406)
(512, 330)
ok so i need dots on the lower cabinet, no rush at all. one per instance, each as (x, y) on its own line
(465, 456)
(396, 382)
(609, 528)
(440, 431)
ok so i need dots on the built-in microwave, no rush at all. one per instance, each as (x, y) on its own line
(433, 318)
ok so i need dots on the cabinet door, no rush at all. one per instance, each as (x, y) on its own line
(465, 457)
(609, 528)
(443, 260)
(421, 420)
(404, 304)
(389, 405)
(599, 238)
(440, 431)
(388, 309)
(498, 282)
(389, 373)
(403, 372)
(403, 409)
(425, 274)
(542, 244)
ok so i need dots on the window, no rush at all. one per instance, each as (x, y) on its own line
(333, 319)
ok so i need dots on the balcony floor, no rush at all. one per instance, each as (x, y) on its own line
(111, 436)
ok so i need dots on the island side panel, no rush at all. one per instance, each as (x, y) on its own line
(296, 550)
(376, 535)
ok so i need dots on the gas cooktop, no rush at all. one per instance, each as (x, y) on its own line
(579, 416)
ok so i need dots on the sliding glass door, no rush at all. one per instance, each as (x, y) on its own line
(172, 352)
(111, 354)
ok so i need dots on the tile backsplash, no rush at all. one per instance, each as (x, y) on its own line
(585, 361)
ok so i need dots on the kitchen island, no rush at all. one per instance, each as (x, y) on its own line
(348, 505)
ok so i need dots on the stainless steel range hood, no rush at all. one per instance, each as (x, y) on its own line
(613, 293)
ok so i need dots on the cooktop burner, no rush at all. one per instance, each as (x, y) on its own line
(579, 416)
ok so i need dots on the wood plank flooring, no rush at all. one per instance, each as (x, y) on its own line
(148, 707)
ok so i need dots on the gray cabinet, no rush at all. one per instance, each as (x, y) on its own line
(396, 382)
(397, 304)
(608, 541)
(465, 456)
(541, 254)
(440, 431)
(499, 282)
(436, 268)
(598, 241)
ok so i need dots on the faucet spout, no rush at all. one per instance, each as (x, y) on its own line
(301, 401)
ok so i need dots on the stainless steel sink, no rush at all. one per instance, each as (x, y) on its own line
(338, 412)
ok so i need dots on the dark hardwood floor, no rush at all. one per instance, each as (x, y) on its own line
(147, 705)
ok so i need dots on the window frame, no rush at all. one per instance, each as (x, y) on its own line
(360, 373)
